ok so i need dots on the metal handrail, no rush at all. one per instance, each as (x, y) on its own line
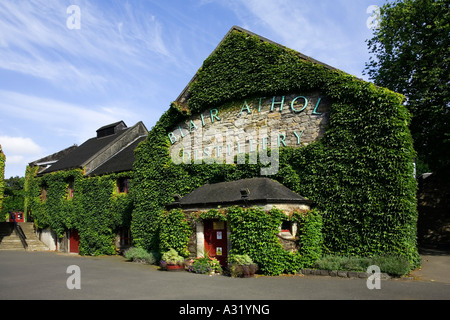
(20, 232)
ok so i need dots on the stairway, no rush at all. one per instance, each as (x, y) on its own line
(10, 240)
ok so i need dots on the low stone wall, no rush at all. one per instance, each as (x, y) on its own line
(48, 237)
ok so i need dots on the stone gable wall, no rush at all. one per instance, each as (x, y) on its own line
(251, 125)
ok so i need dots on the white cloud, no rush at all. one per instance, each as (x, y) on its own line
(76, 122)
(34, 40)
(19, 151)
(19, 146)
(328, 31)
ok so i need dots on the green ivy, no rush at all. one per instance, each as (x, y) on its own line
(360, 174)
(175, 232)
(96, 210)
(254, 232)
(310, 236)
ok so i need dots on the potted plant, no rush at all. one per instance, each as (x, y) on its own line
(172, 261)
(242, 266)
(205, 265)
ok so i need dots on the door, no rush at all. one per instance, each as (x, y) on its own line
(16, 216)
(74, 241)
(215, 232)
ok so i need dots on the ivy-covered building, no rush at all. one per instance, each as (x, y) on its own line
(254, 109)
(211, 232)
(258, 109)
(78, 197)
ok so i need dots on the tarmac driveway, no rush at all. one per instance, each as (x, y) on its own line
(43, 275)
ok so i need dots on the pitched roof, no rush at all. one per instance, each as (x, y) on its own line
(77, 157)
(259, 190)
(109, 152)
(120, 162)
(49, 160)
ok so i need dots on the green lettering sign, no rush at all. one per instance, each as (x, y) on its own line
(304, 106)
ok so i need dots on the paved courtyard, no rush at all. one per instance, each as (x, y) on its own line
(43, 275)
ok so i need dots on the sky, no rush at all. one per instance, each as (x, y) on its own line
(69, 67)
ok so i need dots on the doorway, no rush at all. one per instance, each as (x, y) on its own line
(74, 241)
(216, 243)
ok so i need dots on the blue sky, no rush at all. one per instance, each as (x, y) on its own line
(128, 60)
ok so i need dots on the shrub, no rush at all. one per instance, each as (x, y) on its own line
(172, 257)
(136, 254)
(241, 265)
(205, 265)
(394, 265)
(240, 259)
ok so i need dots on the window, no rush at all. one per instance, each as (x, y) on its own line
(286, 226)
(288, 230)
(122, 185)
(125, 237)
(70, 188)
(43, 195)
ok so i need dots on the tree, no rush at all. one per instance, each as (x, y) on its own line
(13, 196)
(410, 55)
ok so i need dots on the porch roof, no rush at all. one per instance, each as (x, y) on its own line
(239, 192)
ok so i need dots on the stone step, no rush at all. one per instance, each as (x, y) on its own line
(11, 243)
(9, 240)
(36, 245)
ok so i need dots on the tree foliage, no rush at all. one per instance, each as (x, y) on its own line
(411, 55)
(13, 196)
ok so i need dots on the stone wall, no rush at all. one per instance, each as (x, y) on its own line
(251, 125)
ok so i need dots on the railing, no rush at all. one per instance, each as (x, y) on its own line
(19, 232)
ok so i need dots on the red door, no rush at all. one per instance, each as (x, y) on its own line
(16, 216)
(215, 232)
(74, 241)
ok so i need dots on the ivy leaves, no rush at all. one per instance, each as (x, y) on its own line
(359, 174)
(96, 210)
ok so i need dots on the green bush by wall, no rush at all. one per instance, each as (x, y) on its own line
(360, 174)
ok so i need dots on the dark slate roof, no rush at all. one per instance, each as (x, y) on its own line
(77, 157)
(260, 190)
(49, 160)
(122, 161)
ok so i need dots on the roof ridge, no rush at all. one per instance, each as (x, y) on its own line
(263, 39)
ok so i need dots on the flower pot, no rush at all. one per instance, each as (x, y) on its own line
(174, 267)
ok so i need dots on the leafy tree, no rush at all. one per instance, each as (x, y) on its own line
(410, 55)
(13, 195)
